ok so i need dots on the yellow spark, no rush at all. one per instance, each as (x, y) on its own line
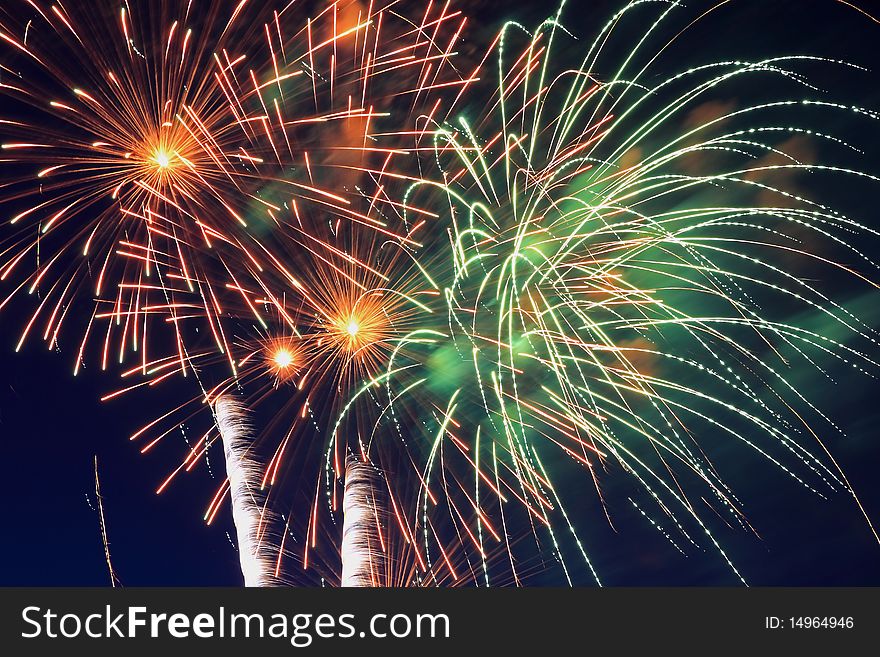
(162, 158)
(283, 358)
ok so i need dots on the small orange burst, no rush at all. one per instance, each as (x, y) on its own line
(353, 330)
(283, 359)
(356, 321)
(161, 158)
(168, 156)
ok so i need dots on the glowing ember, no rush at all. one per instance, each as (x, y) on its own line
(162, 158)
(283, 358)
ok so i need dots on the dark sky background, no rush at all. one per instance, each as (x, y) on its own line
(52, 424)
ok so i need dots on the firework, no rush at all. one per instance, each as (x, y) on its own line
(364, 513)
(620, 273)
(163, 160)
(114, 580)
(478, 288)
(290, 307)
(123, 148)
(248, 510)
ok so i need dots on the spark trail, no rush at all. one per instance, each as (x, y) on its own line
(364, 514)
(248, 503)
(630, 277)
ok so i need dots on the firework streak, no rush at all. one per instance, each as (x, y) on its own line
(362, 550)
(528, 294)
(621, 290)
(243, 474)
(211, 195)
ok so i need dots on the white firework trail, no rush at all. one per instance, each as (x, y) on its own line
(248, 511)
(363, 508)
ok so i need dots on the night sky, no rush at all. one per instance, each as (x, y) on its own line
(52, 425)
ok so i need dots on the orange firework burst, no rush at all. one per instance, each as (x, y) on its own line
(282, 358)
(164, 161)
(128, 161)
(354, 327)
(224, 194)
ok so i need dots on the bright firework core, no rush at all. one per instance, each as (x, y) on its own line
(352, 333)
(283, 358)
(162, 158)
